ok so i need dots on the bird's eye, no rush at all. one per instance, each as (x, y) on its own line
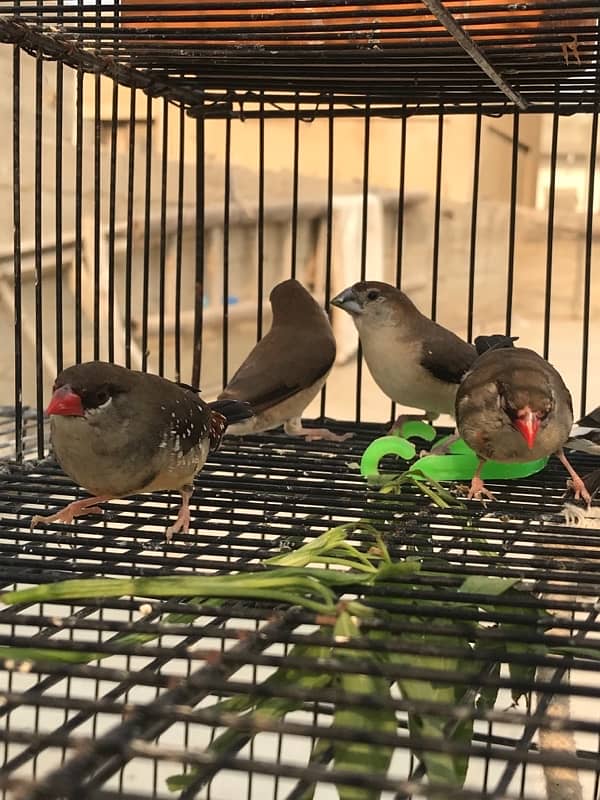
(372, 294)
(102, 397)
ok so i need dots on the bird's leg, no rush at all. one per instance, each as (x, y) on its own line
(427, 416)
(442, 448)
(182, 523)
(293, 427)
(579, 488)
(477, 489)
(78, 508)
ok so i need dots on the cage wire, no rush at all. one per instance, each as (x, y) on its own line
(143, 232)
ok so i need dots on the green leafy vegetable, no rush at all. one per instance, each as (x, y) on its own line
(361, 757)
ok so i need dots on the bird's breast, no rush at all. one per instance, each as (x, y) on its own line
(394, 361)
(109, 460)
(491, 436)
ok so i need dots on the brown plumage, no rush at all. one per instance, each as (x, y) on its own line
(118, 432)
(288, 367)
(585, 434)
(412, 359)
(513, 406)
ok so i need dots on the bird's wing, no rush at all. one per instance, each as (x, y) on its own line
(591, 420)
(187, 418)
(586, 441)
(445, 355)
(283, 363)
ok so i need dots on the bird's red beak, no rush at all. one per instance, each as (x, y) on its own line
(65, 402)
(527, 423)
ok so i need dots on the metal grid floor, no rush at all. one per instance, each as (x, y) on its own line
(120, 725)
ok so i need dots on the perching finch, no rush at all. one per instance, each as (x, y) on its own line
(513, 406)
(412, 359)
(118, 432)
(288, 367)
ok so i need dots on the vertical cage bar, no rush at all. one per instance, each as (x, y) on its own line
(179, 244)
(199, 276)
(16, 170)
(329, 230)
(147, 226)
(163, 237)
(295, 175)
(363, 246)
(78, 212)
(260, 241)
(38, 234)
(129, 234)
(587, 274)
(550, 234)
(112, 199)
(97, 210)
(597, 773)
(514, 180)
(226, 210)
(400, 218)
(401, 198)
(58, 205)
(436, 217)
(473, 240)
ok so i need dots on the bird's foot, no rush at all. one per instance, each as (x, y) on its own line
(478, 490)
(78, 508)
(579, 489)
(323, 434)
(428, 416)
(577, 485)
(182, 523)
(402, 418)
(293, 427)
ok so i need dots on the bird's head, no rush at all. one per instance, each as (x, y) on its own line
(526, 410)
(371, 300)
(84, 391)
(291, 302)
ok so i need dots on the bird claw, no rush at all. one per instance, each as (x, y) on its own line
(182, 523)
(322, 434)
(478, 491)
(580, 492)
(66, 514)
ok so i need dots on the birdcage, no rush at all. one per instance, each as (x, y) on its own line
(166, 164)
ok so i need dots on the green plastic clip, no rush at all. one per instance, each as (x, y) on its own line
(458, 465)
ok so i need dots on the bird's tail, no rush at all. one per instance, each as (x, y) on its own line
(232, 410)
(225, 413)
(493, 342)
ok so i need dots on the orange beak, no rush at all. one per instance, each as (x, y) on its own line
(528, 424)
(65, 402)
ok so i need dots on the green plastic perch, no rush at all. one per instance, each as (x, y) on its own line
(458, 465)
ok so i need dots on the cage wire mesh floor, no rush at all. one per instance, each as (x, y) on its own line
(119, 724)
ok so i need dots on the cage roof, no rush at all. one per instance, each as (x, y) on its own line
(311, 58)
